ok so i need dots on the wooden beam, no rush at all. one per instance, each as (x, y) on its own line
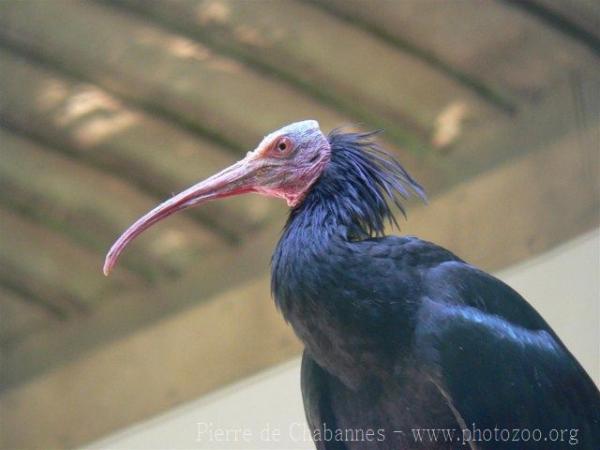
(93, 208)
(20, 316)
(51, 270)
(498, 218)
(143, 78)
(515, 56)
(166, 72)
(177, 358)
(521, 208)
(331, 59)
(571, 106)
(128, 311)
(88, 123)
(580, 19)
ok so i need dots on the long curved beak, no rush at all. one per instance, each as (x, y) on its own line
(236, 179)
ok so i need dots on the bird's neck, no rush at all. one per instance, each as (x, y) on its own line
(308, 237)
(308, 270)
(334, 212)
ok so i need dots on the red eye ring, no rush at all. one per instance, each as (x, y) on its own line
(283, 146)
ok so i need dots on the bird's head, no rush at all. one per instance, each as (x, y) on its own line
(285, 164)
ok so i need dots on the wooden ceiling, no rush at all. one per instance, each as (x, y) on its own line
(108, 107)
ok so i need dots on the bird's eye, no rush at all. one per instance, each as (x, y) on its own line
(283, 147)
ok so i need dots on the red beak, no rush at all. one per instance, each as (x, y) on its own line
(236, 179)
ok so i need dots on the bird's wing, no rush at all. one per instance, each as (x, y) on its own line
(315, 394)
(495, 374)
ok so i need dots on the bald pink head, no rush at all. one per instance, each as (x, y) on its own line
(285, 164)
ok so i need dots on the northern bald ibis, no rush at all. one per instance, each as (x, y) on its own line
(400, 334)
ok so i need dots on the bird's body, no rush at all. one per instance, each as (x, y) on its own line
(359, 372)
(374, 312)
(368, 362)
(406, 345)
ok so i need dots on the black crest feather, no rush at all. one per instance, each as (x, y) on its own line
(361, 184)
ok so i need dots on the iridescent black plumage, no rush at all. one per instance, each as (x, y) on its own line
(364, 181)
(400, 333)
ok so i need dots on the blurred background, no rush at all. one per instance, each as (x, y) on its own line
(108, 107)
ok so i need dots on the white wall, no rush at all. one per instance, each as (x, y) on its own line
(563, 285)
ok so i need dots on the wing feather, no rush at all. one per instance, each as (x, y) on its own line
(317, 407)
(499, 375)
